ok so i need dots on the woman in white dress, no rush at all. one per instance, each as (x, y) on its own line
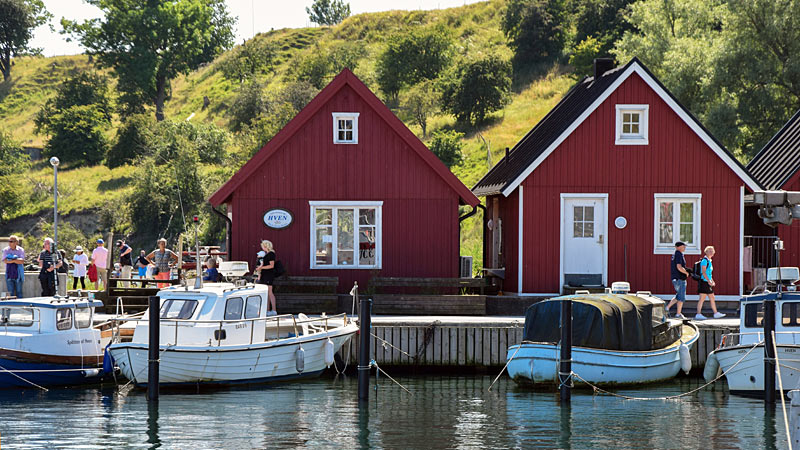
(80, 262)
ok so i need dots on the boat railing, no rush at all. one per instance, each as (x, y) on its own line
(307, 325)
(753, 337)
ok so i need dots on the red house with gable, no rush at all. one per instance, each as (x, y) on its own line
(346, 190)
(777, 167)
(606, 183)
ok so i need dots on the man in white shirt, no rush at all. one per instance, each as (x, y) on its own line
(100, 260)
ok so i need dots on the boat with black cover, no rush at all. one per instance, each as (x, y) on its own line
(617, 338)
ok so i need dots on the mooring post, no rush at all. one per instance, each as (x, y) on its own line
(365, 326)
(152, 358)
(769, 353)
(565, 367)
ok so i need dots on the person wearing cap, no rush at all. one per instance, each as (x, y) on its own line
(125, 262)
(49, 261)
(100, 261)
(80, 261)
(679, 274)
(14, 258)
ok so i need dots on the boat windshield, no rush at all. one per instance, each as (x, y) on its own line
(176, 308)
(16, 317)
(83, 317)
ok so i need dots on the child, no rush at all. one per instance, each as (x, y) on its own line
(141, 264)
(212, 274)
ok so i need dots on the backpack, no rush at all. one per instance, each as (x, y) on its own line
(696, 272)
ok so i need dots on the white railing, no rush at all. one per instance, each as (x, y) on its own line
(752, 337)
(308, 326)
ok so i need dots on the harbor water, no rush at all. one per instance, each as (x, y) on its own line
(441, 412)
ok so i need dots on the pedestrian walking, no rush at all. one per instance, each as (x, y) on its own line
(678, 274)
(705, 286)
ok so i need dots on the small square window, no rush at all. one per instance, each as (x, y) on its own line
(345, 128)
(631, 125)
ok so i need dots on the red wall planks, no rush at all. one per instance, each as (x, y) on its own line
(675, 161)
(420, 229)
(791, 234)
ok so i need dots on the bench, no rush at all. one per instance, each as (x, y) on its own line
(428, 296)
(308, 295)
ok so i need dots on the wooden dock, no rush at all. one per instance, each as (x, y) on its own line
(416, 342)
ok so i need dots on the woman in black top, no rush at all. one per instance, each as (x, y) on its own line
(266, 271)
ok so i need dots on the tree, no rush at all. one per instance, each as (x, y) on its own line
(447, 145)
(18, 18)
(420, 54)
(421, 102)
(252, 58)
(134, 138)
(249, 104)
(150, 43)
(14, 162)
(320, 65)
(478, 88)
(535, 29)
(76, 119)
(598, 25)
(328, 12)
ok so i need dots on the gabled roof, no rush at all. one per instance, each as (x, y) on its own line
(779, 160)
(577, 105)
(345, 78)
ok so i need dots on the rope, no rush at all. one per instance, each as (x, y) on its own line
(504, 367)
(567, 381)
(780, 386)
(123, 391)
(597, 389)
(378, 369)
(338, 372)
(23, 379)
(385, 343)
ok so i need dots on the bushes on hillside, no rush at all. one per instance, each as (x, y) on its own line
(14, 162)
(478, 88)
(134, 140)
(536, 30)
(447, 145)
(249, 60)
(76, 120)
(321, 65)
(409, 58)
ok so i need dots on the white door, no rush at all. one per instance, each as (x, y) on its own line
(583, 241)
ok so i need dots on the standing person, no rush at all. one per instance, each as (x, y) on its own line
(100, 261)
(141, 264)
(79, 272)
(266, 270)
(679, 274)
(49, 262)
(14, 257)
(125, 261)
(162, 258)
(705, 286)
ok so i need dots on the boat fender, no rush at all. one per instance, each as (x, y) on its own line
(328, 352)
(300, 360)
(686, 359)
(88, 373)
(711, 369)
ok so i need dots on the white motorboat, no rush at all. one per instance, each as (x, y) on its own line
(617, 339)
(221, 334)
(740, 356)
(49, 341)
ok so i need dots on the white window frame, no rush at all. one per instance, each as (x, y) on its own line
(337, 205)
(632, 139)
(345, 115)
(668, 249)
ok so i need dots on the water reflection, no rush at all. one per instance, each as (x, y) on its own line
(443, 412)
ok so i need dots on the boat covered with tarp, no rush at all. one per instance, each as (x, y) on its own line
(617, 338)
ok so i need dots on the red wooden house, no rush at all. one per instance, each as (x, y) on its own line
(777, 167)
(605, 184)
(346, 190)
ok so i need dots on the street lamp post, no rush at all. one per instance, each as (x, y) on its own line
(55, 162)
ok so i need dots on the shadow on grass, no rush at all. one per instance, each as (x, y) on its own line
(114, 184)
(5, 87)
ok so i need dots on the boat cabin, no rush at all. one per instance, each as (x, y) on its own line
(46, 315)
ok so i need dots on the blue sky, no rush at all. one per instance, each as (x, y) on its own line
(254, 16)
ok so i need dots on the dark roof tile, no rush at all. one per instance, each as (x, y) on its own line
(779, 160)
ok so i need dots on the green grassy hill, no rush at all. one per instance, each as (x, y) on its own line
(475, 29)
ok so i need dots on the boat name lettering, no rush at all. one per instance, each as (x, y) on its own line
(83, 341)
(742, 351)
(790, 350)
(241, 325)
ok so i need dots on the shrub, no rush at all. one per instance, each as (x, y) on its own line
(478, 88)
(421, 54)
(134, 140)
(447, 145)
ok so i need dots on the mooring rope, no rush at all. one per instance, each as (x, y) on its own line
(597, 389)
(122, 391)
(780, 386)
(378, 369)
(23, 379)
(504, 367)
(385, 343)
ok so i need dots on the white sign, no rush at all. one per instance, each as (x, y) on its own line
(278, 218)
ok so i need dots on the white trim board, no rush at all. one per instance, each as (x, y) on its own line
(564, 195)
(741, 240)
(635, 67)
(520, 233)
